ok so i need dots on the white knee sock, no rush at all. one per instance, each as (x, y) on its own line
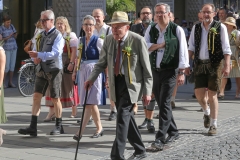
(213, 122)
(113, 108)
(207, 111)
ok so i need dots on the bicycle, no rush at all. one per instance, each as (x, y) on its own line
(26, 77)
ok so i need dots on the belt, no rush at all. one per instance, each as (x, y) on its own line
(204, 61)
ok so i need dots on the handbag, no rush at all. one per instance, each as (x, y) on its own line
(27, 46)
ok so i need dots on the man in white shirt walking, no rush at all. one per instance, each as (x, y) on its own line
(210, 44)
(167, 46)
(102, 30)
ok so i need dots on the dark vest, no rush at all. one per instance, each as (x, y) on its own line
(92, 52)
(215, 49)
(46, 44)
(139, 29)
(171, 52)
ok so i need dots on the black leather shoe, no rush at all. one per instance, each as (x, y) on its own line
(76, 138)
(137, 156)
(58, 130)
(90, 122)
(150, 126)
(193, 96)
(171, 139)
(144, 124)
(157, 144)
(28, 130)
(206, 121)
(96, 135)
(112, 116)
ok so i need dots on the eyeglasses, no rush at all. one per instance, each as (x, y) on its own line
(90, 25)
(160, 13)
(207, 12)
(43, 20)
(147, 13)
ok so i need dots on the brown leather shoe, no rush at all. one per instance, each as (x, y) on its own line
(212, 131)
(206, 119)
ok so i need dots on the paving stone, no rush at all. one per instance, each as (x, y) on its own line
(194, 143)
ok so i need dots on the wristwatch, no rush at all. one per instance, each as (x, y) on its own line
(72, 63)
(181, 72)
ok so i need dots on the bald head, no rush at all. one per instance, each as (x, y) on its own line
(98, 14)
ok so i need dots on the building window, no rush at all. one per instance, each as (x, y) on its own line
(48, 4)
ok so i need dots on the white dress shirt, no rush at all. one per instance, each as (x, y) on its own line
(183, 50)
(103, 31)
(56, 52)
(204, 53)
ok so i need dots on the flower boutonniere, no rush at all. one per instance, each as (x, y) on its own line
(80, 47)
(127, 51)
(212, 33)
(67, 41)
(102, 36)
(233, 35)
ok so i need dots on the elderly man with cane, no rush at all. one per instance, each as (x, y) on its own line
(126, 56)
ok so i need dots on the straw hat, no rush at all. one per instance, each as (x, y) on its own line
(230, 21)
(119, 17)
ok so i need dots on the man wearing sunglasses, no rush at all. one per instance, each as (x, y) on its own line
(146, 17)
(47, 54)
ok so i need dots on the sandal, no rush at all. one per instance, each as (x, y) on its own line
(11, 85)
(76, 138)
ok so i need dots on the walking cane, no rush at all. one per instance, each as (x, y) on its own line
(80, 129)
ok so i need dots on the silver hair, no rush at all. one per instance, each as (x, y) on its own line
(90, 18)
(49, 14)
(162, 4)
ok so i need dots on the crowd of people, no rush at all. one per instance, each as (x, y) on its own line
(146, 61)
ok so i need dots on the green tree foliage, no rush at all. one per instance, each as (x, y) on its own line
(120, 5)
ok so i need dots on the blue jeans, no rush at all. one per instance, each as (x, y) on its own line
(10, 60)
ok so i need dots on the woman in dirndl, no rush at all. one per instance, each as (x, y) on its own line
(69, 91)
(89, 49)
(234, 38)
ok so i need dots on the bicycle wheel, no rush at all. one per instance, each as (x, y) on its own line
(26, 79)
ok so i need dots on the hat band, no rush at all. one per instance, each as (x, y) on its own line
(119, 20)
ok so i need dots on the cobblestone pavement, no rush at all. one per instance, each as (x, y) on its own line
(195, 144)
